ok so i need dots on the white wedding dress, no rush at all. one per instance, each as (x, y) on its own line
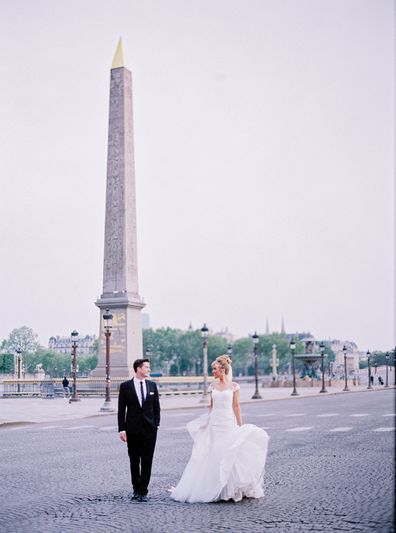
(227, 461)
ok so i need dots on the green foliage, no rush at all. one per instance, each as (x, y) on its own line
(176, 352)
(23, 339)
(242, 358)
(379, 359)
(6, 363)
(242, 354)
(94, 349)
(86, 364)
(57, 364)
(54, 364)
(179, 352)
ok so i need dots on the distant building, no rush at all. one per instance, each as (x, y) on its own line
(225, 334)
(64, 344)
(353, 356)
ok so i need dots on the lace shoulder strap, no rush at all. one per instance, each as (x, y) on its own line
(210, 387)
(235, 386)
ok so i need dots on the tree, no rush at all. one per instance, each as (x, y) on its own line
(54, 363)
(86, 364)
(179, 352)
(242, 350)
(94, 349)
(23, 339)
(6, 363)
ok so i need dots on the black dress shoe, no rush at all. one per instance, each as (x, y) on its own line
(135, 496)
(143, 498)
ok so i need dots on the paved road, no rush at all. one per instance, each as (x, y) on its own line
(330, 468)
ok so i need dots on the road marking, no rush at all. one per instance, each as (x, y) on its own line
(325, 415)
(301, 428)
(390, 414)
(265, 427)
(360, 415)
(295, 414)
(178, 428)
(79, 427)
(108, 428)
(263, 414)
(177, 414)
(50, 427)
(385, 429)
(341, 429)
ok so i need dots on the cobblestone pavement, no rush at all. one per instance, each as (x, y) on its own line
(330, 468)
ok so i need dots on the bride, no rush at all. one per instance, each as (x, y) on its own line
(228, 457)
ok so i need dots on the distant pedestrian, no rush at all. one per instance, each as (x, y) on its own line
(380, 380)
(372, 380)
(66, 390)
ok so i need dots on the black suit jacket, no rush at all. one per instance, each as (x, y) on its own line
(133, 417)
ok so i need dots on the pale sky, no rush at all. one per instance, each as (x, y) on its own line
(264, 146)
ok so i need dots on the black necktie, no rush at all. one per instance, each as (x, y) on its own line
(141, 391)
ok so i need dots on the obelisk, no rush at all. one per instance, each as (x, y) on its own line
(120, 276)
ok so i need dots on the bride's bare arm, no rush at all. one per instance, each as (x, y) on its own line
(236, 407)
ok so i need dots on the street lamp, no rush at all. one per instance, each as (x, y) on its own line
(345, 389)
(293, 352)
(255, 338)
(18, 366)
(74, 335)
(369, 370)
(204, 335)
(387, 365)
(229, 350)
(322, 349)
(107, 325)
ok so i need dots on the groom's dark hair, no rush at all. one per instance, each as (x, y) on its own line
(139, 362)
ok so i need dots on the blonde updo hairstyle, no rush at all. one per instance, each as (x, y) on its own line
(224, 361)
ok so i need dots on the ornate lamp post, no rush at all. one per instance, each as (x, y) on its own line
(107, 325)
(387, 366)
(74, 335)
(204, 335)
(369, 370)
(255, 338)
(322, 349)
(18, 366)
(293, 353)
(345, 389)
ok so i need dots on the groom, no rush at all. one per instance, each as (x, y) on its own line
(138, 421)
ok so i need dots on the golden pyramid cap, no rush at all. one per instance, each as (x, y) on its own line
(118, 59)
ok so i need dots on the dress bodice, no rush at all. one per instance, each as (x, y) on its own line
(222, 414)
(222, 399)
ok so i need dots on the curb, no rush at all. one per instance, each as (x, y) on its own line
(17, 423)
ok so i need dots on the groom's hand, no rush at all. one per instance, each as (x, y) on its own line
(123, 436)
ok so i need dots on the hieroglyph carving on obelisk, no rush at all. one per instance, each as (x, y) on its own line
(120, 276)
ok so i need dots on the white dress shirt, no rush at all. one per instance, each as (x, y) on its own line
(137, 382)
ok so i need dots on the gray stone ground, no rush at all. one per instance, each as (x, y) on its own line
(330, 468)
